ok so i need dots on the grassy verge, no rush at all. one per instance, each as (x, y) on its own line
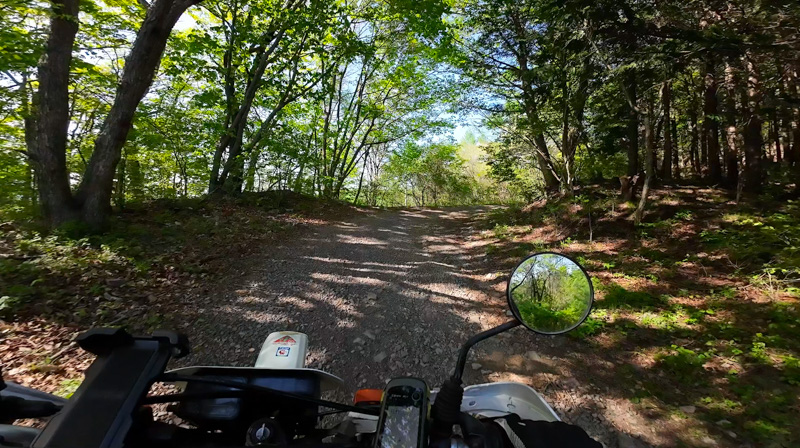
(698, 306)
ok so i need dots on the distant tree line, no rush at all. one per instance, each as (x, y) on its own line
(107, 102)
(669, 89)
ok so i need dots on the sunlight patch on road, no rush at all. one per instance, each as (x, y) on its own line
(361, 240)
(347, 323)
(437, 263)
(296, 302)
(347, 279)
(375, 264)
(262, 317)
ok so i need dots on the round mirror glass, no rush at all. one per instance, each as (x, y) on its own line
(550, 293)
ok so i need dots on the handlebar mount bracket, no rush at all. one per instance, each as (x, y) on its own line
(100, 413)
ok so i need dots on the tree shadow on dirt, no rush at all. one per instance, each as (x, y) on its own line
(692, 349)
(374, 300)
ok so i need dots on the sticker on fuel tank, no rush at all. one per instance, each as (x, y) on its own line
(283, 351)
(286, 340)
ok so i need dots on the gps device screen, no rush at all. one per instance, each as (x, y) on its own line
(402, 417)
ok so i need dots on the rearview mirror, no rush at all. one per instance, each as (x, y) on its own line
(550, 293)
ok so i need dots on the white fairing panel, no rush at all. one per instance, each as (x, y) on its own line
(498, 399)
(486, 400)
(283, 350)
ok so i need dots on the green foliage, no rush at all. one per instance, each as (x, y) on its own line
(791, 370)
(771, 240)
(590, 327)
(667, 320)
(600, 166)
(427, 175)
(685, 363)
(767, 431)
(547, 318)
(512, 168)
(371, 62)
(618, 297)
(68, 387)
(758, 350)
(28, 277)
(9, 305)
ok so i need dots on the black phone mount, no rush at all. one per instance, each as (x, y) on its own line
(100, 413)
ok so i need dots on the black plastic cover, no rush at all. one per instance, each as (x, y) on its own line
(215, 412)
(100, 412)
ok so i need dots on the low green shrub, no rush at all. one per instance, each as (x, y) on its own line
(618, 297)
(683, 362)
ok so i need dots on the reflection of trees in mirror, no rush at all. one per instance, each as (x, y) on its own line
(551, 293)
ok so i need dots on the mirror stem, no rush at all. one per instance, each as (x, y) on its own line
(462, 354)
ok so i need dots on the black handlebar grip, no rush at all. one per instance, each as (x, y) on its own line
(447, 407)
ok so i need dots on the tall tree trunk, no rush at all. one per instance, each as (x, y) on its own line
(234, 178)
(711, 126)
(676, 166)
(49, 151)
(788, 93)
(250, 175)
(775, 131)
(94, 192)
(229, 87)
(361, 178)
(731, 133)
(120, 187)
(694, 155)
(656, 139)
(633, 123)
(573, 113)
(650, 144)
(666, 100)
(703, 139)
(232, 139)
(753, 140)
(792, 80)
(29, 124)
(567, 152)
(298, 181)
(551, 182)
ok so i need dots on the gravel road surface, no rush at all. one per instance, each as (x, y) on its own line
(385, 293)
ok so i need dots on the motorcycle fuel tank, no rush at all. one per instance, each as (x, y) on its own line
(283, 350)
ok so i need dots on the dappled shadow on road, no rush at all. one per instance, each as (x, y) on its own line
(386, 293)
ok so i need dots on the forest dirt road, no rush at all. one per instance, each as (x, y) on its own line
(380, 294)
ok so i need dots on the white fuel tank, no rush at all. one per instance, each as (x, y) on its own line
(283, 350)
